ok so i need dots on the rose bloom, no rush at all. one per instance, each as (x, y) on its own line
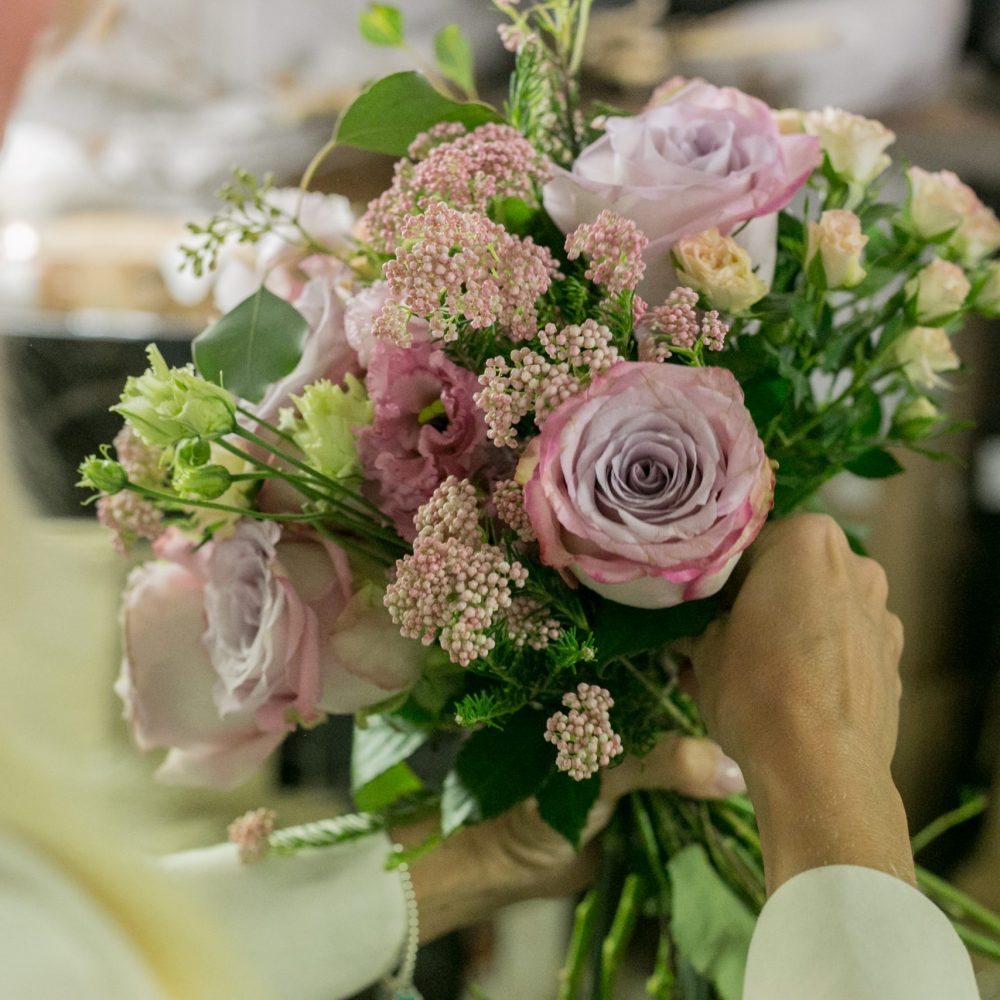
(426, 427)
(649, 485)
(940, 202)
(922, 353)
(720, 269)
(838, 240)
(228, 647)
(987, 299)
(704, 157)
(854, 145)
(938, 291)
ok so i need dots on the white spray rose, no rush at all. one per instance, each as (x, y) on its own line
(838, 240)
(923, 353)
(938, 291)
(720, 269)
(855, 146)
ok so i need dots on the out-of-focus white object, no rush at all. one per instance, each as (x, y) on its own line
(156, 106)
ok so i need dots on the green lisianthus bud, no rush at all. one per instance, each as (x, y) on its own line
(165, 405)
(193, 452)
(103, 474)
(202, 482)
(915, 420)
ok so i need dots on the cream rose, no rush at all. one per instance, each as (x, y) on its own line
(923, 353)
(987, 298)
(855, 146)
(940, 203)
(838, 240)
(720, 269)
(938, 291)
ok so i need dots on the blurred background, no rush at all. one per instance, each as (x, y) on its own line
(135, 115)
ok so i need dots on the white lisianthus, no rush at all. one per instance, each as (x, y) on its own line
(165, 405)
(987, 298)
(855, 146)
(838, 240)
(324, 428)
(720, 269)
(790, 121)
(923, 353)
(938, 291)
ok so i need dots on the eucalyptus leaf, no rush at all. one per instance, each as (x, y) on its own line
(502, 767)
(253, 346)
(392, 112)
(381, 24)
(389, 787)
(711, 926)
(620, 630)
(565, 803)
(381, 744)
(453, 56)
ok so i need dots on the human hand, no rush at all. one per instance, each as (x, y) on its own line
(799, 683)
(518, 855)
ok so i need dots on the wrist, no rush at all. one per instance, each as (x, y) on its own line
(839, 812)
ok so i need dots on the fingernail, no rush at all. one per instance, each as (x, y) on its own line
(728, 776)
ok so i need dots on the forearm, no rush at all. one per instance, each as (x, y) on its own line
(813, 817)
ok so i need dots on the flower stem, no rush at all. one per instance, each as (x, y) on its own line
(968, 810)
(614, 945)
(584, 924)
(956, 902)
(663, 697)
(176, 501)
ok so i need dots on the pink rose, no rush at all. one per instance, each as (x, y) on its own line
(229, 647)
(427, 427)
(706, 157)
(649, 484)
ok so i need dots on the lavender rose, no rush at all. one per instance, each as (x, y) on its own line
(705, 157)
(229, 647)
(427, 427)
(649, 485)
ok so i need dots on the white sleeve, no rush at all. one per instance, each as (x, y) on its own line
(320, 925)
(847, 932)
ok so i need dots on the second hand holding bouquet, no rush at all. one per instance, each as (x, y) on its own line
(469, 464)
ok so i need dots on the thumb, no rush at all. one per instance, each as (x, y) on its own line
(694, 767)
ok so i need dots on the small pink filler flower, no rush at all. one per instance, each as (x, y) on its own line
(584, 738)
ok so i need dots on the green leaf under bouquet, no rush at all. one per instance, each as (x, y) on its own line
(466, 466)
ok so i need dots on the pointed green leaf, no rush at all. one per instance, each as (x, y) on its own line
(391, 113)
(710, 925)
(502, 767)
(876, 463)
(565, 804)
(252, 346)
(453, 55)
(389, 787)
(381, 24)
(379, 745)
(620, 630)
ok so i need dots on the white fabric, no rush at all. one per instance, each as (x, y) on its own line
(848, 933)
(56, 941)
(320, 925)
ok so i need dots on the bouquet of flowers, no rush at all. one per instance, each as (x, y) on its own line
(468, 464)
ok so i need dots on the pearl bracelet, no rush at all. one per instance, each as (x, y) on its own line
(400, 986)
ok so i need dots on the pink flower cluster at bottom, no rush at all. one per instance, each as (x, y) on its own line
(584, 738)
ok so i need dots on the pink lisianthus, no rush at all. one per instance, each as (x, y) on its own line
(427, 427)
(649, 485)
(704, 157)
(229, 647)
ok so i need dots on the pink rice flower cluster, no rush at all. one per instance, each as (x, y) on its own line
(676, 324)
(454, 586)
(613, 246)
(584, 738)
(508, 498)
(511, 36)
(128, 516)
(459, 265)
(464, 170)
(529, 625)
(251, 834)
(539, 383)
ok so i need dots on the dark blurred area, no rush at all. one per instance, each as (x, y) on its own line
(125, 134)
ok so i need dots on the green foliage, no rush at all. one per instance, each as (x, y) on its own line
(875, 463)
(620, 630)
(381, 24)
(453, 56)
(254, 345)
(710, 926)
(392, 112)
(379, 745)
(503, 767)
(387, 788)
(459, 805)
(565, 804)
